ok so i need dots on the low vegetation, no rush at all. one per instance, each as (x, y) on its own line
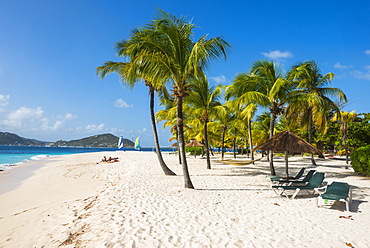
(361, 160)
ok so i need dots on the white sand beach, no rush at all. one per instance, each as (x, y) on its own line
(73, 201)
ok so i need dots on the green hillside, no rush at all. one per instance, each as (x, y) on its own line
(11, 139)
(102, 140)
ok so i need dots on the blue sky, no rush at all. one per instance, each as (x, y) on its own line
(49, 51)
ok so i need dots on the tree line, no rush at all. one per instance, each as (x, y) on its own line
(164, 56)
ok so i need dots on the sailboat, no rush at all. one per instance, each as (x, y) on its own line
(137, 143)
(120, 143)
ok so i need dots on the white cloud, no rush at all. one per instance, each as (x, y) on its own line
(362, 74)
(278, 55)
(24, 113)
(67, 116)
(58, 125)
(25, 118)
(119, 103)
(94, 128)
(29, 119)
(367, 52)
(340, 66)
(4, 101)
(220, 79)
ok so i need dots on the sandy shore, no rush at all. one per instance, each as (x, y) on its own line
(73, 201)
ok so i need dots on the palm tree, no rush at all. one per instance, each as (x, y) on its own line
(235, 131)
(312, 101)
(266, 86)
(223, 121)
(244, 109)
(131, 73)
(171, 55)
(248, 114)
(204, 100)
(344, 117)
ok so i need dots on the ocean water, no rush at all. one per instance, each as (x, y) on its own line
(15, 155)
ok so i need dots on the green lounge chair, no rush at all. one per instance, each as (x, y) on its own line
(296, 177)
(314, 183)
(337, 191)
(305, 180)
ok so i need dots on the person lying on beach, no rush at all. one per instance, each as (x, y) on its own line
(110, 159)
(113, 159)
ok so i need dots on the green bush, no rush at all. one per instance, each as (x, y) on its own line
(194, 150)
(360, 160)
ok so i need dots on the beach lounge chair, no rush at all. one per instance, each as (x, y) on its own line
(296, 177)
(314, 183)
(337, 191)
(305, 180)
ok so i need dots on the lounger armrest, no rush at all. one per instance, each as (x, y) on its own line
(321, 190)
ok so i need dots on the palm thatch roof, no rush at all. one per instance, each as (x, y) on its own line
(193, 143)
(286, 141)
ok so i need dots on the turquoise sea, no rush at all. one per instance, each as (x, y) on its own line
(14, 155)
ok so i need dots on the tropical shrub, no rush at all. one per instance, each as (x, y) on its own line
(361, 160)
(194, 150)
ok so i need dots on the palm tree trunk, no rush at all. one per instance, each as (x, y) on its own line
(346, 149)
(310, 137)
(180, 128)
(246, 147)
(250, 138)
(165, 169)
(205, 130)
(344, 139)
(271, 154)
(178, 145)
(223, 142)
(234, 147)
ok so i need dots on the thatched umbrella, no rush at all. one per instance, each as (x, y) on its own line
(194, 143)
(286, 141)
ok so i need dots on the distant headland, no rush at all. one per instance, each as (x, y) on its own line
(101, 140)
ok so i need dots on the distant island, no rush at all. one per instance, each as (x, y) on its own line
(101, 140)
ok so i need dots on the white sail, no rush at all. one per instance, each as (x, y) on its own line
(120, 143)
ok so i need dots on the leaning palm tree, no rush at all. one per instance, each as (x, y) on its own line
(131, 73)
(344, 117)
(312, 99)
(204, 103)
